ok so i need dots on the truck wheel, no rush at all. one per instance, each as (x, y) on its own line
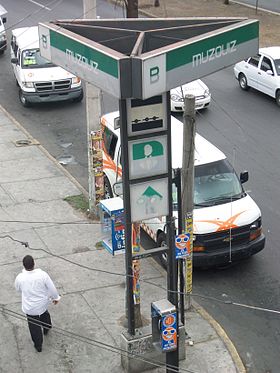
(23, 99)
(161, 242)
(107, 188)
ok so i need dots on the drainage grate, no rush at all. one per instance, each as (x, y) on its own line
(26, 142)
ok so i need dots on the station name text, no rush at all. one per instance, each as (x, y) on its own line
(81, 60)
(213, 53)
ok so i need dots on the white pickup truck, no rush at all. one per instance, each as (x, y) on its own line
(39, 80)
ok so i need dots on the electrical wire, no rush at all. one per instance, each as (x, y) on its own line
(30, 15)
(44, 9)
(94, 342)
(78, 222)
(226, 302)
(26, 244)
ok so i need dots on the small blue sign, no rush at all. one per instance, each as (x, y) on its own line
(182, 245)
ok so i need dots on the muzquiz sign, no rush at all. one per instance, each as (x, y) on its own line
(213, 53)
(81, 60)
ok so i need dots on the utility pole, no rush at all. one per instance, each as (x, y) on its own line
(172, 357)
(132, 9)
(93, 114)
(188, 186)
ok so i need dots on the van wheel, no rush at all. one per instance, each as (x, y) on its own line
(278, 97)
(243, 82)
(107, 189)
(161, 242)
(23, 99)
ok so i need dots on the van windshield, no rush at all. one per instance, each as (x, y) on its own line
(214, 183)
(31, 58)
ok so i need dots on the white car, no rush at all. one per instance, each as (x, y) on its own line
(196, 88)
(261, 72)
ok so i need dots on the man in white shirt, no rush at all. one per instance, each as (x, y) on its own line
(37, 291)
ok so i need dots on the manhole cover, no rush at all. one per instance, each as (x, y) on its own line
(24, 142)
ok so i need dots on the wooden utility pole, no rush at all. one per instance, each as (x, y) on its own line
(188, 186)
(93, 114)
(132, 9)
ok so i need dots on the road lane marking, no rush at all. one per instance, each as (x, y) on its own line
(42, 6)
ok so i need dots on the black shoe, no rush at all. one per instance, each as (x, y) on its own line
(38, 348)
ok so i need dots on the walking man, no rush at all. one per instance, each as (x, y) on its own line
(37, 291)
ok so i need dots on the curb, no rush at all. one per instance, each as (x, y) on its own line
(240, 368)
(223, 335)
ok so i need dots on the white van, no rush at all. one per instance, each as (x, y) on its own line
(3, 36)
(227, 222)
(40, 80)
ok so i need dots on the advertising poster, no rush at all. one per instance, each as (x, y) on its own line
(136, 281)
(182, 246)
(119, 236)
(97, 163)
(169, 332)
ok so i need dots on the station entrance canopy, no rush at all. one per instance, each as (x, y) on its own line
(141, 58)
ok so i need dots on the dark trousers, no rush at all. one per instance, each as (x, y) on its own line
(35, 324)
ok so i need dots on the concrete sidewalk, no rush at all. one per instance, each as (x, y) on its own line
(88, 320)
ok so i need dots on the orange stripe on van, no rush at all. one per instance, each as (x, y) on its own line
(109, 164)
(223, 225)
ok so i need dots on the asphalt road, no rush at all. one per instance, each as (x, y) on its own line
(245, 125)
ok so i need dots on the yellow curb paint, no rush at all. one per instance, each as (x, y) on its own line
(223, 335)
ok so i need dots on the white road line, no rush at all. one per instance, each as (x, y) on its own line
(42, 6)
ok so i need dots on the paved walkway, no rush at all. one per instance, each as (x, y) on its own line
(88, 320)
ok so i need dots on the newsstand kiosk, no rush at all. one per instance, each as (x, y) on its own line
(112, 225)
